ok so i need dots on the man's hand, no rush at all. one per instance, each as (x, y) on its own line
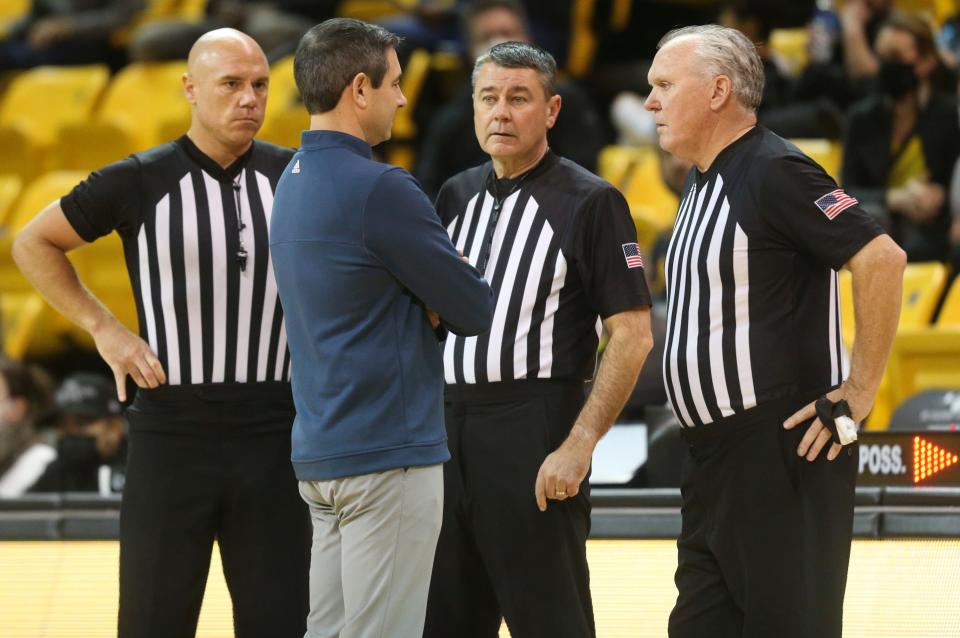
(126, 353)
(818, 435)
(563, 470)
(433, 317)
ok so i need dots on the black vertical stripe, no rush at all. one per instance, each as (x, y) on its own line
(683, 218)
(286, 364)
(516, 299)
(678, 335)
(261, 248)
(496, 282)
(179, 284)
(272, 353)
(232, 239)
(475, 225)
(728, 339)
(158, 310)
(539, 312)
(703, 345)
(205, 263)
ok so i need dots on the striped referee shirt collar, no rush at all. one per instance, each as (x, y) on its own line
(316, 139)
(211, 167)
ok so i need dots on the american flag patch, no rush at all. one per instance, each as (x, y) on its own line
(631, 252)
(834, 203)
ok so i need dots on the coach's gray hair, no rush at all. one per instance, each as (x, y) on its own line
(726, 51)
(519, 55)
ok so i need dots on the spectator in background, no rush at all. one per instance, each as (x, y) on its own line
(26, 401)
(450, 145)
(68, 32)
(903, 141)
(276, 26)
(842, 61)
(91, 442)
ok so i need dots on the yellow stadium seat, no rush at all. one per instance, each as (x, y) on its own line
(10, 186)
(10, 11)
(949, 316)
(20, 321)
(34, 198)
(142, 103)
(36, 105)
(370, 10)
(826, 153)
(286, 116)
(790, 46)
(923, 285)
(635, 171)
(923, 359)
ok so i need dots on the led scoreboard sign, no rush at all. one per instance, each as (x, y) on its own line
(910, 458)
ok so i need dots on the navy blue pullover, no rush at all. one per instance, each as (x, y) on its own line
(358, 250)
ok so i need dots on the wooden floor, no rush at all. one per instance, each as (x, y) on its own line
(897, 589)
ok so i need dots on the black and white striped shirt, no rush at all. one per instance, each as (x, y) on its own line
(176, 212)
(753, 308)
(554, 251)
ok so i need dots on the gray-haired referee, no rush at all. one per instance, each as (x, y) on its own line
(753, 340)
(559, 249)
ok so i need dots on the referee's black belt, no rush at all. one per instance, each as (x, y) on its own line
(512, 390)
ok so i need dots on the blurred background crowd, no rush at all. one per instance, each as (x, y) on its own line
(868, 88)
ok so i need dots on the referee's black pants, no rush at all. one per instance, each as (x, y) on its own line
(212, 463)
(498, 556)
(766, 535)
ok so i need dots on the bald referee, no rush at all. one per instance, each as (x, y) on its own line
(210, 426)
(754, 351)
(558, 247)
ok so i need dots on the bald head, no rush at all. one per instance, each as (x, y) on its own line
(226, 84)
(214, 45)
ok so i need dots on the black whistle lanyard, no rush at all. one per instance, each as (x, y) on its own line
(498, 201)
(241, 254)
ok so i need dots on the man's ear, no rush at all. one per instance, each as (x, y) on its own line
(189, 88)
(721, 92)
(553, 110)
(359, 89)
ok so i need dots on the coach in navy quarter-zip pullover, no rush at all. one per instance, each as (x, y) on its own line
(360, 256)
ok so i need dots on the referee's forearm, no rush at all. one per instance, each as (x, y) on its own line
(49, 270)
(877, 289)
(620, 366)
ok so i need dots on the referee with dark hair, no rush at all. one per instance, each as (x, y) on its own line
(754, 362)
(558, 247)
(209, 446)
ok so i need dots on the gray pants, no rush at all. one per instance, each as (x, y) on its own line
(374, 538)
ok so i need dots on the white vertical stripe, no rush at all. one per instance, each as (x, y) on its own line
(146, 290)
(270, 292)
(741, 278)
(246, 283)
(672, 248)
(832, 330)
(502, 223)
(449, 371)
(218, 277)
(482, 230)
(844, 356)
(467, 219)
(191, 267)
(693, 318)
(599, 326)
(529, 299)
(549, 312)
(166, 290)
(717, 371)
(494, 372)
(678, 301)
(278, 370)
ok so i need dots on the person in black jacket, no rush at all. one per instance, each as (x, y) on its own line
(902, 141)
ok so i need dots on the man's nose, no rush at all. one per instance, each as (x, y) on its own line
(651, 102)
